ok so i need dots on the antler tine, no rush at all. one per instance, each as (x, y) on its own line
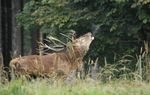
(52, 38)
(50, 41)
(42, 45)
(46, 46)
(66, 36)
(73, 36)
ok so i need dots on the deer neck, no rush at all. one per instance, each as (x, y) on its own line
(76, 53)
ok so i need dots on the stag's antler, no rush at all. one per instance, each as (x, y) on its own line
(56, 47)
(55, 39)
(73, 35)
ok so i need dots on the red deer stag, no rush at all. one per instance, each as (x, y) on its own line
(60, 63)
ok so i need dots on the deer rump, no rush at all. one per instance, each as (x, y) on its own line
(60, 64)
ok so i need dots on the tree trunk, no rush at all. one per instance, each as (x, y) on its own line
(36, 37)
(16, 29)
(6, 31)
(1, 56)
(22, 30)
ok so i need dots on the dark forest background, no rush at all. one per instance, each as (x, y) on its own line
(12, 35)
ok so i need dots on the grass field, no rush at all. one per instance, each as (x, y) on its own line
(81, 87)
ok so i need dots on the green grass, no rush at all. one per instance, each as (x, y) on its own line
(46, 87)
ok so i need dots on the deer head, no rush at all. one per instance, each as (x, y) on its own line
(84, 41)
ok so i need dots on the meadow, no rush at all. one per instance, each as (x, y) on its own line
(80, 87)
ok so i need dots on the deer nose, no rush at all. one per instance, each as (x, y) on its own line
(92, 38)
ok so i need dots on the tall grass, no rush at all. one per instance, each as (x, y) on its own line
(128, 68)
(44, 87)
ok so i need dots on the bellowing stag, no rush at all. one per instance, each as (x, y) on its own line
(60, 63)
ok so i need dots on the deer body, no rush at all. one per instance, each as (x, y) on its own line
(61, 63)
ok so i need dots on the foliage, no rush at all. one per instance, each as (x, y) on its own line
(50, 15)
(120, 26)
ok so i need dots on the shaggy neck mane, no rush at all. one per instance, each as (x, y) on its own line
(75, 52)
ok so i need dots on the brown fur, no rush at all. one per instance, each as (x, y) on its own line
(61, 63)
